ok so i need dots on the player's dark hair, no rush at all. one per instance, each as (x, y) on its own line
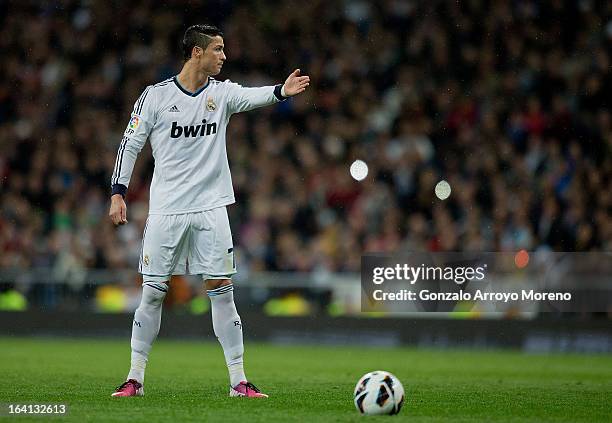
(200, 36)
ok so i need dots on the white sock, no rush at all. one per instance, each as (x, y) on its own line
(137, 367)
(145, 327)
(228, 329)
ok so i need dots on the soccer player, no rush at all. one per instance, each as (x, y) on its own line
(187, 230)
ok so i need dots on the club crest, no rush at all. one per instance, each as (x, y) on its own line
(210, 104)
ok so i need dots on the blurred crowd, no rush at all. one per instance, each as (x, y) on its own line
(507, 101)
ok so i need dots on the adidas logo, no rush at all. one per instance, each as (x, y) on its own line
(174, 109)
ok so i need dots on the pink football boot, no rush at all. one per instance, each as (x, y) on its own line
(130, 388)
(246, 389)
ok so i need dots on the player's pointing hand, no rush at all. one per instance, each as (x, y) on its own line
(295, 83)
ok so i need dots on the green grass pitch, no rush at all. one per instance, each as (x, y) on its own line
(186, 381)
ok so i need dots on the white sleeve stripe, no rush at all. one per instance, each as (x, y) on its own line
(117, 169)
(119, 160)
(140, 101)
(144, 95)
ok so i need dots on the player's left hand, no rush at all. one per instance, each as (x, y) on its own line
(295, 83)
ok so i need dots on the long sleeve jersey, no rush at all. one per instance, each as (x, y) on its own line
(187, 135)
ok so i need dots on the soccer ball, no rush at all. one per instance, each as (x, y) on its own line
(379, 392)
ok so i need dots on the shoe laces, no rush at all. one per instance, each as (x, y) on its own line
(137, 385)
(249, 385)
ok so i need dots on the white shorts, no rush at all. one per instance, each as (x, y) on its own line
(191, 243)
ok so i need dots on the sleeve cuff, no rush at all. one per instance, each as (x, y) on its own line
(277, 93)
(119, 189)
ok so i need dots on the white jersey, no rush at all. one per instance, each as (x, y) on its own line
(187, 135)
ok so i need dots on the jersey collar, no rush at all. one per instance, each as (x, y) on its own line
(190, 94)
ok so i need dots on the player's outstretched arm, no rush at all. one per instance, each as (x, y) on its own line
(118, 210)
(295, 84)
(242, 99)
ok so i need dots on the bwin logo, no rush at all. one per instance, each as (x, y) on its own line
(193, 130)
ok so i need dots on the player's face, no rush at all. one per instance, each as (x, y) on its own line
(213, 57)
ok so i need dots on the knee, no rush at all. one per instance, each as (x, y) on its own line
(153, 295)
(210, 284)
